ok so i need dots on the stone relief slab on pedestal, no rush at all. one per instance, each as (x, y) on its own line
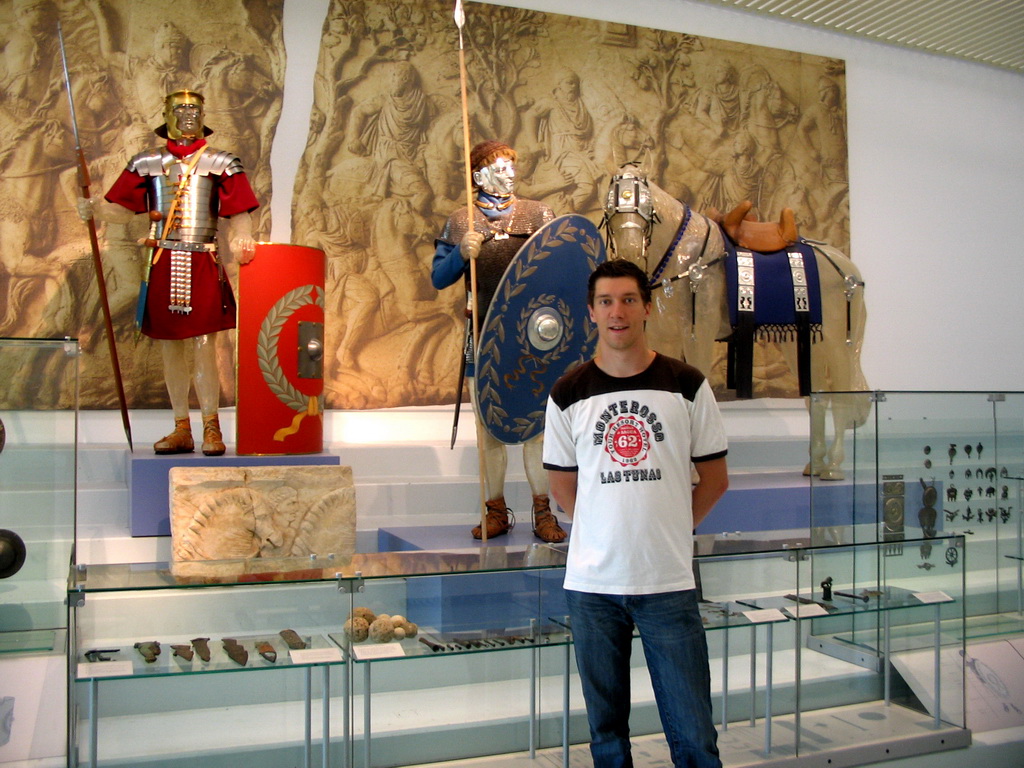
(260, 521)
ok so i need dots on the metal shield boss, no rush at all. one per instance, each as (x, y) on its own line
(280, 351)
(537, 327)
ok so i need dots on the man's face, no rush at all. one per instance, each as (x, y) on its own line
(189, 118)
(498, 178)
(619, 312)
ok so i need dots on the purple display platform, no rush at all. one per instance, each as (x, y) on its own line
(501, 601)
(149, 491)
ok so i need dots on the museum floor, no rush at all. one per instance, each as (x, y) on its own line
(992, 749)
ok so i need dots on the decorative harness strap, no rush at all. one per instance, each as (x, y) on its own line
(850, 284)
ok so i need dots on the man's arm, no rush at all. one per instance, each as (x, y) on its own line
(563, 487)
(714, 481)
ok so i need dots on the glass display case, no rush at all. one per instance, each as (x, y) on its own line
(395, 658)
(164, 663)
(38, 459)
(924, 464)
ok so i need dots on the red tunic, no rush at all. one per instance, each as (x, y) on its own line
(213, 303)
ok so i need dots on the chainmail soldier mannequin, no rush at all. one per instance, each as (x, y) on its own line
(502, 225)
(186, 186)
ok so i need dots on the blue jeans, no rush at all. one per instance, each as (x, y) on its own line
(677, 659)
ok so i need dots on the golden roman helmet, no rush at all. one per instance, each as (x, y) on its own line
(170, 129)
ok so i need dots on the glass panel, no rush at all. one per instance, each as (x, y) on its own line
(38, 431)
(927, 463)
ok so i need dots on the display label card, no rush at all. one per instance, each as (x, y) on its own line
(105, 669)
(806, 610)
(316, 656)
(378, 651)
(938, 596)
(765, 615)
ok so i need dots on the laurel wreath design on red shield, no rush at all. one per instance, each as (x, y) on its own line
(267, 340)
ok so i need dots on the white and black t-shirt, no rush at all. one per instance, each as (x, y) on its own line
(632, 440)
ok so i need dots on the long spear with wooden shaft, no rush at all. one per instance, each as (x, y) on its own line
(460, 20)
(83, 183)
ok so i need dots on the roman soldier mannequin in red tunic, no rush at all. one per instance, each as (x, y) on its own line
(186, 187)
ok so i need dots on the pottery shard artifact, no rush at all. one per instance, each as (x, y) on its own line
(184, 651)
(266, 650)
(149, 649)
(292, 639)
(201, 644)
(235, 651)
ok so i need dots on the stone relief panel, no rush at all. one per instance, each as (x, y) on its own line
(268, 513)
(715, 122)
(124, 56)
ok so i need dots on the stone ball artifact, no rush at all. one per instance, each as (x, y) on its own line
(356, 629)
(398, 619)
(364, 613)
(411, 629)
(382, 630)
(399, 633)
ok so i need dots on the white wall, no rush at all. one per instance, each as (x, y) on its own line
(936, 150)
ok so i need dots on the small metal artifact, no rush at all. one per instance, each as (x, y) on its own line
(266, 650)
(184, 651)
(951, 452)
(968, 449)
(235, 651)
(851, 595)
(431, 645)
(826, 588)
(3, 435)
(292, 639)
(99, 654)
(149, 649)
(201, 644)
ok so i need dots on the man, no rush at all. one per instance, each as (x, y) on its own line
(189, 298)
(621, 432)
(502, 225)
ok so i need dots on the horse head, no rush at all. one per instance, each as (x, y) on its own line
(629, 215)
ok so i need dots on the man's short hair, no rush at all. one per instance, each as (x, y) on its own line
(619, 268)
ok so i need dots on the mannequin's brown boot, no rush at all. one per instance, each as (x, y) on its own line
(213, 440)
(545, 524)
(179, 441)
(500, 519)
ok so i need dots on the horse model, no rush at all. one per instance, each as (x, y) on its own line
(684, 254)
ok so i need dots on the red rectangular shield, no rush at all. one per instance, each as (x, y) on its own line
(280, 351)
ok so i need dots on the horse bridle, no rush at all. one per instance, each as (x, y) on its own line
(629, 193)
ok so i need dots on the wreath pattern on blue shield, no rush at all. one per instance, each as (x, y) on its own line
(544, 286)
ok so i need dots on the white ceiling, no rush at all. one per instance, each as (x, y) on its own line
(986, 31)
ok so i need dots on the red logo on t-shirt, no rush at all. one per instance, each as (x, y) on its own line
(627, 441)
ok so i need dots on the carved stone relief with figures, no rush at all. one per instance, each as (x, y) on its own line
(124, 57)
(382, 168)
(717, 123)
